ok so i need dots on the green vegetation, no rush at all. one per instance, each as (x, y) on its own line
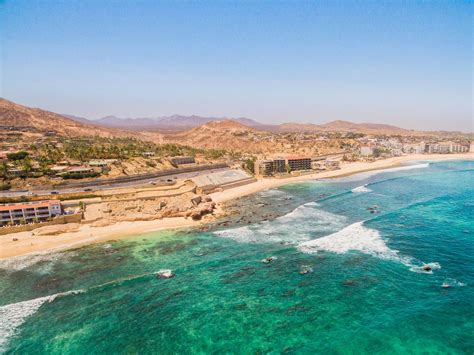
(249, 165)
(68, 176)
(17, 156)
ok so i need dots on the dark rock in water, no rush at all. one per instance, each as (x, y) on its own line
(269, 259)
(305, 269)
(426, 268)
(349, 282)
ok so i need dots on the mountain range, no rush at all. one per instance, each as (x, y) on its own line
(174, 122)
(180, 123)
(12, 114)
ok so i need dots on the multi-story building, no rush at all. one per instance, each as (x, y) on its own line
(446, 147)
(299, 163)
(414, 148)
(26, 212)
(269, 167)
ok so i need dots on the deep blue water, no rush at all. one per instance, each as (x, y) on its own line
(364, 241)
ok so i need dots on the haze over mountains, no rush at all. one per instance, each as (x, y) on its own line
(174, 122)
(12, 114)
(179, 122)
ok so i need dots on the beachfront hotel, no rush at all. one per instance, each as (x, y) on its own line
(299, 163)
(17, 213)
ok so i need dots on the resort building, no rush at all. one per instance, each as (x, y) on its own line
(446, 147)
(183, 160)
(299, 163)
(270, 167)
(27, 212)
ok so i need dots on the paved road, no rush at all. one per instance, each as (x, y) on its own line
(161, 180)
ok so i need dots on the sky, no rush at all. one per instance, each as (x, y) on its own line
(407, 63)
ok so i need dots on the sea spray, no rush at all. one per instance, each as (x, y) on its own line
(14, 315)
(298, 225)
(361, 189)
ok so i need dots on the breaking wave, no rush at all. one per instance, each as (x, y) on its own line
(14, 315)
(357, 237)
(353, 237)
(360, 189)
(298, 225)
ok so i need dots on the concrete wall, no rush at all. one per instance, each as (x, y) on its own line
(71, 218)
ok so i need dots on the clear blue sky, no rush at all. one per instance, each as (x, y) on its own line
(406, 63)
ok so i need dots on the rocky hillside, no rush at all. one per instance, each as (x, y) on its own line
(344, 126)
(226, 134)
(37, 120)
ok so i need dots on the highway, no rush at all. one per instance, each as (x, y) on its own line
(142, 180)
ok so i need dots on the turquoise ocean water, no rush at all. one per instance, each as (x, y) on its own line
(363, 240)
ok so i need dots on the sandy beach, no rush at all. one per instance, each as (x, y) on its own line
(346, 170)
(29, 244)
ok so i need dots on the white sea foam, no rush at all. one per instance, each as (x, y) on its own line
(361, 189)
(419, 269)
(357, 237)
(14, 315)
(353, 237)
(453, 283)
(364, 175)
(292, 228)
(25, 261)
(272, 192)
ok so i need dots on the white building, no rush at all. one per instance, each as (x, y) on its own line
(366, 151)
(26, 212)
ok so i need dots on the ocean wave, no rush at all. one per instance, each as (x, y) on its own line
(357, 237)
(361, 189)
(353, 237)
(14, 315)
(292, 228)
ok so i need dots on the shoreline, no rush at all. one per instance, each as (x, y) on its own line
(28, 244)
(346, 170)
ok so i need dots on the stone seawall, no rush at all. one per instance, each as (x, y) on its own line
(70, 218)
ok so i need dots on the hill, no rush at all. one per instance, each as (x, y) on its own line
(344, 127)
(225, 134)
(38, 120)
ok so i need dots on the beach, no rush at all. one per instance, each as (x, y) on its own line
(26, 243)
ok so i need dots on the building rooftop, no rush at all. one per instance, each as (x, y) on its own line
(22, 205)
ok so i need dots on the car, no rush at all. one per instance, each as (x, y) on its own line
(152, 182)
(54, 192)
(88, 189)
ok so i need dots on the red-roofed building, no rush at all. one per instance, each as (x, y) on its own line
(16, 213)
